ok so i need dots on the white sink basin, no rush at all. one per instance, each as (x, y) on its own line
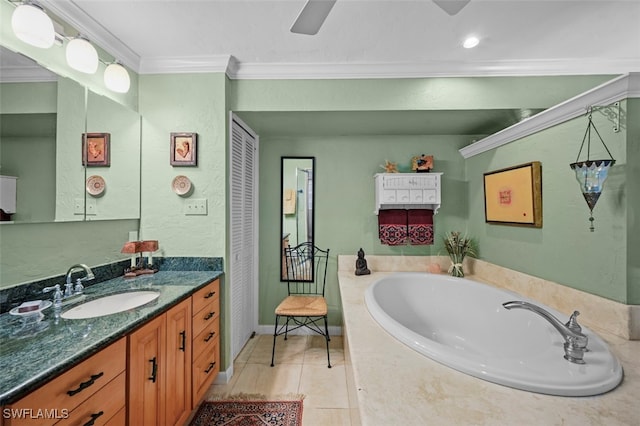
(112, 304)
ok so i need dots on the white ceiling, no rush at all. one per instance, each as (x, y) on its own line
(364, 38)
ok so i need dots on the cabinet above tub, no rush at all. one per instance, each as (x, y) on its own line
(407, 191)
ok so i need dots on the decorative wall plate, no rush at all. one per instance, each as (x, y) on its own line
(95, 185)
(181, 185)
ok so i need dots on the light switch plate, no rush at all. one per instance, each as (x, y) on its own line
(197, 206)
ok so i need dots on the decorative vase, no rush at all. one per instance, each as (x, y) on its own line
(456, 267)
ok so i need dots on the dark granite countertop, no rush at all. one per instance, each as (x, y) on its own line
(32, 355)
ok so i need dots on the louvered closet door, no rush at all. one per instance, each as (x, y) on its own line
(243, 235)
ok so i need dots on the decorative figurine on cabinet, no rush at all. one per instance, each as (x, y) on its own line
(422, 163)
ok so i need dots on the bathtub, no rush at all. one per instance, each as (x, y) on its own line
(462, 324)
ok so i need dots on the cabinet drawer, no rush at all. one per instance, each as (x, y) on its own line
(206, 338)
(120, 419)
(205, 370)
(206, 295)
(206, 316)
(72, 388)
(101, 406)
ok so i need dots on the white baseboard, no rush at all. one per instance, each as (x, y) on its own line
(334, 330)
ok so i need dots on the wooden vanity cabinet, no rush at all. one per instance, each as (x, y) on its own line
(206, 340)
(160, 361)
(95, 388)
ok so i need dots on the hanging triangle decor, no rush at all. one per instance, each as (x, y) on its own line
(591, 174)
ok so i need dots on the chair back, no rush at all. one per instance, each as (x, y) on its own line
(306, 269)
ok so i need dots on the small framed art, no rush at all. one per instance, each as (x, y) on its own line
(183, 149)
(96, 149)
(513, 196)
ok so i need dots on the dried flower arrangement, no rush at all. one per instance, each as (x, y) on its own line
(458, 248)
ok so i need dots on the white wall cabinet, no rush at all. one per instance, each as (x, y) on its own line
(408, 191)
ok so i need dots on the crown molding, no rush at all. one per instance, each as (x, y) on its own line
(26, 74)
(625, 86)
(193, 64)
(93, 30)
(436, 69)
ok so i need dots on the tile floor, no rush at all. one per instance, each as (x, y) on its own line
(300, 368)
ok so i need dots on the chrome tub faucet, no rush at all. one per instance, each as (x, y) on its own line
(575, 343)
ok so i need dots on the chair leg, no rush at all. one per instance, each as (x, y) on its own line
(326, 330)
(275, 334)
(286, 329)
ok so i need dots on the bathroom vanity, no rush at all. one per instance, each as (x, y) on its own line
(149, 365)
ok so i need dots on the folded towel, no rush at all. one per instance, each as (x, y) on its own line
(420, 226)
(289, 201)
(392, 226)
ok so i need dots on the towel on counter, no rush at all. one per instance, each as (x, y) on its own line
(289, 201)
(420, 226)
(392, 226)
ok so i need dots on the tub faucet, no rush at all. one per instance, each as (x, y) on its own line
(69, 289)
(575, 343)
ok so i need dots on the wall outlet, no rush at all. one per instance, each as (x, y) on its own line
(78, 206)
(92, 207)
(196, 206)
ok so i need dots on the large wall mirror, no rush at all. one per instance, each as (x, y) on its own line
(43, 117)
(297, 208)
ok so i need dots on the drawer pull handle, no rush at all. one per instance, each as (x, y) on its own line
(94, 417)
(210, 336)
(209, 316)
(154, 369)
(210, 295)
(86, 384)
(183, 343)
(211, 365)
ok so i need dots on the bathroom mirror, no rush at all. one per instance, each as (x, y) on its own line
(296, 205)
(42, 120)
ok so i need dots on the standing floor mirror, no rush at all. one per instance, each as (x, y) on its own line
(297, 210)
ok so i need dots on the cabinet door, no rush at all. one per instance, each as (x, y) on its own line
(177, 395)
(147, 368)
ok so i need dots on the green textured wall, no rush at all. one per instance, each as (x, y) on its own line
(563, 250)
(40, 250)
(186, 103)
(345, 219)
(632, 124)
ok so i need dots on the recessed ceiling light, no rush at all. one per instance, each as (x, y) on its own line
(470, 42)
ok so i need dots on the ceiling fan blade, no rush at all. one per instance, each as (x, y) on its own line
(451, 6)
(312, 16)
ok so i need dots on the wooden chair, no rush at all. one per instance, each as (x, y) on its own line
(305, 306)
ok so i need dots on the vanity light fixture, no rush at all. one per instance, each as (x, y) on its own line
(116, 78)
(82, 56)
(470, 42)
(591, 174)
(31, 24)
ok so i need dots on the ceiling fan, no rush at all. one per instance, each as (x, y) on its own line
(314, 13)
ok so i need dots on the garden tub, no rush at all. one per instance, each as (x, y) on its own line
(463, 324)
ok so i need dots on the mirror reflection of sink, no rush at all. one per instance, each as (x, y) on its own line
(111, 304)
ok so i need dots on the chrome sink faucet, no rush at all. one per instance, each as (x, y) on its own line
(79, 288)
(575, 343)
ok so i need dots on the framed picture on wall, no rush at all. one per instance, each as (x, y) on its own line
(513, 196)
(183, 149)
(96, 149)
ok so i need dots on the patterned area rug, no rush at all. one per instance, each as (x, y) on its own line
(248, 413)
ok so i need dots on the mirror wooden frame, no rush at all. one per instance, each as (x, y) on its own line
(289, 205)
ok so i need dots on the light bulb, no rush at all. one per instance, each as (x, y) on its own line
(116, 78)
(31, 24)
(82, 56)
(470, 42)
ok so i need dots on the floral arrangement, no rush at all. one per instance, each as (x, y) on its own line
(458, 248)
